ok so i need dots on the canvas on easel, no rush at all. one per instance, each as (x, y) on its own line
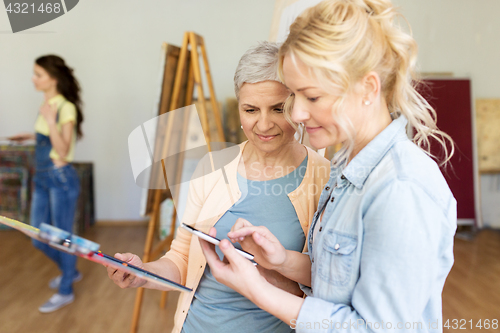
(173, 133)
(169, 60)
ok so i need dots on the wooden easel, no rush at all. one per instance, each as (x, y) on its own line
(187, 75)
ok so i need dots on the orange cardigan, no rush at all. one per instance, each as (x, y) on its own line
(210, 197)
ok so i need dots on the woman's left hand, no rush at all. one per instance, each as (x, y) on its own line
(49, 112)
(237, 273)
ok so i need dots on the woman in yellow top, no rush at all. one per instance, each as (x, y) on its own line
(271, 178)
(56, 184)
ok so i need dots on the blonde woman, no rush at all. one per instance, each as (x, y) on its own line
(381, 242)
(272, 179)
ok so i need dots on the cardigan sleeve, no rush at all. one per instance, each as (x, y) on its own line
(306, 197)
(179, 249)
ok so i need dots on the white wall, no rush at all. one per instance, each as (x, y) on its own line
(459, 36)
(114, 46)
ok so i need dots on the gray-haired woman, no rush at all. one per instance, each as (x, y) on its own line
(274, 180)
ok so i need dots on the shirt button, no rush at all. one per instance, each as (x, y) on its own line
(337, 246)
(320, 228)
(333, 198)
(342, 177)
(312, 259)
(327, 188)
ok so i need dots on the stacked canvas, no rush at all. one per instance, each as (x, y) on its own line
(84, 215)
(17, 168)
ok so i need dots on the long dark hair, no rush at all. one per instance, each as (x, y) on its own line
(67, 84)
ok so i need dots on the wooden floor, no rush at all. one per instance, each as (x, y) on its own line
(472, 290)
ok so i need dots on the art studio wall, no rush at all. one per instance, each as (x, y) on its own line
(114, 47)
(461, 37)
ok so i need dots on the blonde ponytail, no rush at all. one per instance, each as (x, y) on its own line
(342, 41)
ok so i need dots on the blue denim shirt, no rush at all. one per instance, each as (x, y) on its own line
(384, 247)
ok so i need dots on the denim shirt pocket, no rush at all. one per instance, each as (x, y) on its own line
(335, 264)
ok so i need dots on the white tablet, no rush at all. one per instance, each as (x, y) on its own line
(213, 240)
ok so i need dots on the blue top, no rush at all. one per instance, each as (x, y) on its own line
(384, 247)
(217, 308)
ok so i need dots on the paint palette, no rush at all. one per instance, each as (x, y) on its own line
(81, 247)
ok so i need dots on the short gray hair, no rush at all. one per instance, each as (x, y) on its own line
(258, 64)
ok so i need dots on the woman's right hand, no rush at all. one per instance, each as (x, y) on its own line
(122, 278)
(259, 241)
(22, 137)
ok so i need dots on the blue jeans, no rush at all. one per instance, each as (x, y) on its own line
(54, 202)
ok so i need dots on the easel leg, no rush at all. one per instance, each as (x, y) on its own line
(163, 300)
(188, 58)
(147, 252)
(137, 310)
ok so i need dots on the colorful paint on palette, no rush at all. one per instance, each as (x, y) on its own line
(87, 249)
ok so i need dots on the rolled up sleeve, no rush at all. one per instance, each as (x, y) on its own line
(404, 230)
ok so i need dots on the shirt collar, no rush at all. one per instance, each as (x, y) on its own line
(358, 170)
(56, 99)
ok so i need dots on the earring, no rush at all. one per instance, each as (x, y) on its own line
(241, 126)
(367, 102)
